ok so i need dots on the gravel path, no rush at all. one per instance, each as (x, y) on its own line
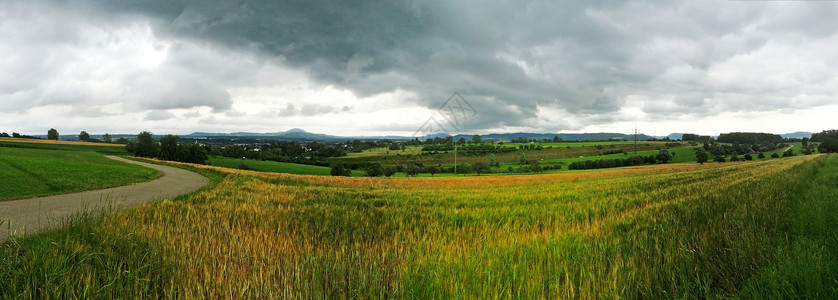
(27, 216)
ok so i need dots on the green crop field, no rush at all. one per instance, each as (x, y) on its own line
(272, 166)
(28, 172)
(555, 151)
(108, 149)
(758, 229)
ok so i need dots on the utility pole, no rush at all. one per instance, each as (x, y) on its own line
(635, 138)
(455, 159)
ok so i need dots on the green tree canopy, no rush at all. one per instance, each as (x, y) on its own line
(663, 156)
(52, 134)
(701, 156)
(168, 147)
(84, 136)
(146, 146)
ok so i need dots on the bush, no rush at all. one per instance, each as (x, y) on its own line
(374, 169)
(775, 155)
(340, 170)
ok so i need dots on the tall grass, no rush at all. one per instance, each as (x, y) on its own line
(88, 258)
(717, 230)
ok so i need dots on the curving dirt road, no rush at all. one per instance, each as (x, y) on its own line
(27, 216)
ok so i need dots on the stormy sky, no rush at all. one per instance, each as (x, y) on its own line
(370, 67)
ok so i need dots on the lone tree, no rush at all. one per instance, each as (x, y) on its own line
(523, 159)
(663, 156)
(107, 138)
(701, 156)
(52, 134)
(477, 139)
(84, 136)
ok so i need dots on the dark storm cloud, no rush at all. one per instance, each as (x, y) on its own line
(507, 58)
(484, 50)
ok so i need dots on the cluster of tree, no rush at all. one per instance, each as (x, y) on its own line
(739, 149)
(167, 149)
(340, 169)
(533, 166)
(438, 147)
(663, 157)
(18, 135)
(750, 138)
(828, 140)
(530, 147)
(439, 141)
(311, 153)
(477, 149)
(555, 139)
(617, 151)
(690, 137)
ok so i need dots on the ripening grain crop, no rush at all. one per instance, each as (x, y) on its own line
(677, 230)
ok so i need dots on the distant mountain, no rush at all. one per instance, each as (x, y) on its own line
(298, 134)
(302, 135)
(797, 135)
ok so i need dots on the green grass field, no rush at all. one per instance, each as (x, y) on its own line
(760, 229)
(31, 172)
(272, 166)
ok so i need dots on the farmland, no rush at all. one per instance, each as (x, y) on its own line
(747, 229)
(111, 149)
(550, 151)
(272, 166)
(40, 171)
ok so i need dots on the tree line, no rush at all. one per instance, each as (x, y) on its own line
(167, 149)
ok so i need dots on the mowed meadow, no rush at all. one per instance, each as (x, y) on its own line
(750, 229)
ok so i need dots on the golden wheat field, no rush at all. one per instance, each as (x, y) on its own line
(632, 231)
(733, 230)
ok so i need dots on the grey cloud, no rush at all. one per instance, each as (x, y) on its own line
(583, 57)
(159, 115)
(289, 110)
(316, 110)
